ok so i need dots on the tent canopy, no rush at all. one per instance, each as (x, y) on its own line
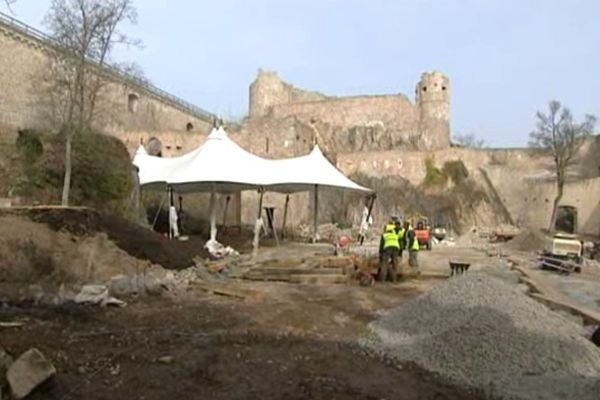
(221, 165)
(304, 173)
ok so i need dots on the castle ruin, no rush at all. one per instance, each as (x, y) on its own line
(378, 136)
(400, 123)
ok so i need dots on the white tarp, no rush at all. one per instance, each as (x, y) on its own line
(221, 165)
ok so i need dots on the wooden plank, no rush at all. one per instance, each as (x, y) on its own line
(589, 316)
(229, 291)
(319, 279)
(554, 298)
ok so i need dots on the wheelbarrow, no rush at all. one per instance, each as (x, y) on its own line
(458, 267)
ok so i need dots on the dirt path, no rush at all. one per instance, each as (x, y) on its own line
(296, 342)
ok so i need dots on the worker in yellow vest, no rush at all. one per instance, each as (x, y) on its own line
(401, 237)
(412, 245)
(389, 246)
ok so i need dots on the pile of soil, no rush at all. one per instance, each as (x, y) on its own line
(527, 240)
(137, 241)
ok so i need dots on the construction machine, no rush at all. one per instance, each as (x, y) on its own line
(422, 230)
(562, 252)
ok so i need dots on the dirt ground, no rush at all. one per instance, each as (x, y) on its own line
(277, 340)
(292, 342)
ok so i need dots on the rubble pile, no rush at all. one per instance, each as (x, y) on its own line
(479, 331)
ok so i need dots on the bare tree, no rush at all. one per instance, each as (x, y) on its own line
(469, 141)
(560, 135)
(9, 3)
(87, 33)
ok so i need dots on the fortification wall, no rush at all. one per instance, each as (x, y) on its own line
(395, 112)
(124, 104)
(423, 125)
(522, 179)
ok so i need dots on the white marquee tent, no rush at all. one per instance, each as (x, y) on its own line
(219, 165)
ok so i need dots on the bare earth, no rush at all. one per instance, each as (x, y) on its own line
(291, 341)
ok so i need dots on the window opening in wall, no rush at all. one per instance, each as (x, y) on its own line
(189, 127)
(132, 103)
(424, 88)
(443, 87)
(566, 219)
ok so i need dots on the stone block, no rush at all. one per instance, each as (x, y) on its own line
(29, 371)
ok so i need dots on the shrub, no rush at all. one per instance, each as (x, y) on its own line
(456, 170)
(433, 175)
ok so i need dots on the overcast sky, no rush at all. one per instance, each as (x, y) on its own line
(505, 58)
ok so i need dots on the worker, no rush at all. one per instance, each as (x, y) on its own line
(401, 237)
(412, 245)
(388, 253)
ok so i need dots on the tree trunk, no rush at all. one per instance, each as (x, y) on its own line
(559, 186)
(68, 168)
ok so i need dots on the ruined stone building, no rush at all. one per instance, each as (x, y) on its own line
(379, 137)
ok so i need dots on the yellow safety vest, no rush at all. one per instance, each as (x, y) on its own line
(390, 239)
(415, 245)
(401, 236)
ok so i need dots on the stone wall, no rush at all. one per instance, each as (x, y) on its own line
(424, 124)
(125, 104)
(522, 179)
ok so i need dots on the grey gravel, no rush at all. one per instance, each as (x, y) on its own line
(478, 331)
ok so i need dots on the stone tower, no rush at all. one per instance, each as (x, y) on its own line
(433, 100)
(267, 90)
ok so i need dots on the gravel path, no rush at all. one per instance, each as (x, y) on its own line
(479, 331)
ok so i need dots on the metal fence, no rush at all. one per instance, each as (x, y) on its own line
(34, 33)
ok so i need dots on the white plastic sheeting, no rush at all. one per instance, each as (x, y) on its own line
(222, 166)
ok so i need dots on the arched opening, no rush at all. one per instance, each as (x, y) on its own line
(566, 219)
(132, 103)
(189, 127)
(154, 147)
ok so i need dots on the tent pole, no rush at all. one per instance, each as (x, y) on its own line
(162, 202)
(316, 214)
(258, 224)
(213, 216)
(285, 212)
(227, 200)
(171, 204)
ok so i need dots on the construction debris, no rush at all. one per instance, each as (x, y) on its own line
(97, 295)
(217, 250)
(29, 371)
(479, 331)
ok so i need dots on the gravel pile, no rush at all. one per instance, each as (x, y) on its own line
(479, 331)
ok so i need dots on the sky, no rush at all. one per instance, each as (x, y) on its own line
(505, 58)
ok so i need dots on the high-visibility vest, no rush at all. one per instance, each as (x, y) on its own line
(390, 240)
(401, 236)
(415, 245)
(389, 227)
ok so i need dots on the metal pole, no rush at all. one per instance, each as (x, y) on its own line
(257, 224)
(171, 204)
(162, 202)
(227, 200)
(285, 212)
(316, 213)
(369, 213)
